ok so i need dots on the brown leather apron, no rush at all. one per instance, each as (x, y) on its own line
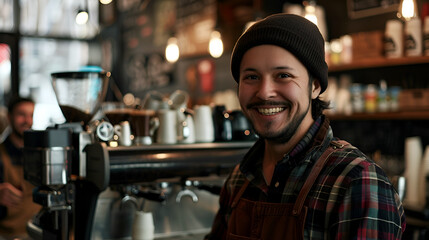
(254, 220)
(14, 224)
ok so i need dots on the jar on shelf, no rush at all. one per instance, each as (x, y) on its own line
(382, 104)
(394, 98)
(371, 98)
(358, 103)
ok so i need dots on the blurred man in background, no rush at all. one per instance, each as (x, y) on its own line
(16, 201)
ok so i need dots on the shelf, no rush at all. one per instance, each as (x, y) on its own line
(401, 115)
(379, 62)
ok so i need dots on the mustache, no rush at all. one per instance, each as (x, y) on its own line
(265, 103)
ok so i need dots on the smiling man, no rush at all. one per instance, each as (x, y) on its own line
(298, 181)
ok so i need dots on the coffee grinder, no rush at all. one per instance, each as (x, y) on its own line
(54, 158)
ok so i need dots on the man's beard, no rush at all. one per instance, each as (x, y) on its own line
(19, 133)
(285, 134)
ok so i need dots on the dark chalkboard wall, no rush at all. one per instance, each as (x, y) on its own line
(364, 8)
(340, 22)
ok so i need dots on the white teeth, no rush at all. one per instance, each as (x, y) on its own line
(270, 111)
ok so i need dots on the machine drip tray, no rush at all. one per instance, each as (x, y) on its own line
(190, 236)
(186, 220)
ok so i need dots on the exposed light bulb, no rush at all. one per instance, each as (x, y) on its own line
(105, 2)
(310, 13)
(215, 44)
(82, 17)
(407, 9)
(172, 52)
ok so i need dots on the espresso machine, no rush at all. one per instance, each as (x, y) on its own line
(71, 164)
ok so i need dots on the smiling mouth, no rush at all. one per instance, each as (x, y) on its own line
(270, 111)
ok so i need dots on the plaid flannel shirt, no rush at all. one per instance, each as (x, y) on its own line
(351, 199)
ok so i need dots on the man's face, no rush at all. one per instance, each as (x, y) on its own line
(21, 118)
(274, 92)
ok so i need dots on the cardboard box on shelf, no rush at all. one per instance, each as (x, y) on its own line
(367, 45)
(414, 99)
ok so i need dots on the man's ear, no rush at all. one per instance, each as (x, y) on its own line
(316, 88)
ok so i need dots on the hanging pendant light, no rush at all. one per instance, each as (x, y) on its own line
(172, 52)
(310, 11)
(105, 2)
(215, 44)
(82, 15)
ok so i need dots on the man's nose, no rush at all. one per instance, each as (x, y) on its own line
(267, 89)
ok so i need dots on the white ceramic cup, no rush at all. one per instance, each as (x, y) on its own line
(123, 131)
(203, 120)
(143, 227)
(167, 130)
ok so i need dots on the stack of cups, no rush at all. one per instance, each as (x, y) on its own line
(393, 39)
(413, 37)
(143, 227)
(426, 36)
(415, 197)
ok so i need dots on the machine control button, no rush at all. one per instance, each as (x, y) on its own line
(105, 131)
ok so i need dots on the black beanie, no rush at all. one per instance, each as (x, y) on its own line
(291, 32)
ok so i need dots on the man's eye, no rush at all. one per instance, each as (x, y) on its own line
(284, 75)
(250, 77)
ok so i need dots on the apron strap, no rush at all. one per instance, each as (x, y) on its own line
(314, 174)
(241, 191)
